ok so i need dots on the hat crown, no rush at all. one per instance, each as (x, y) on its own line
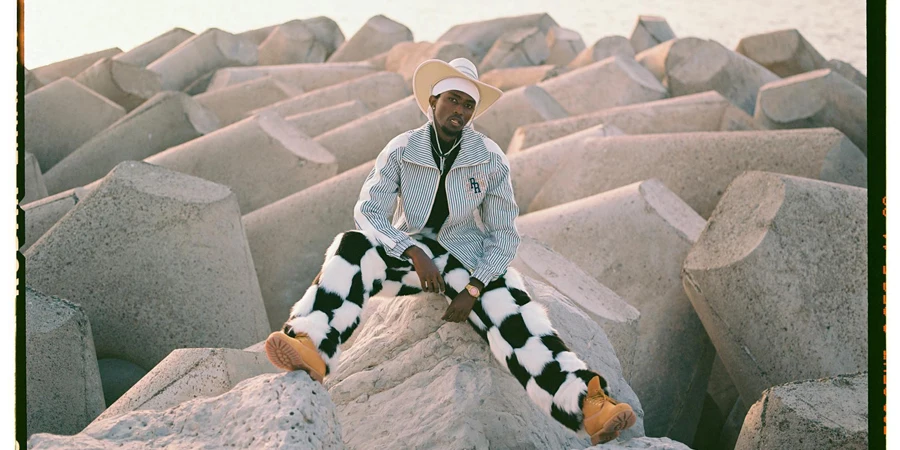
(465, 66)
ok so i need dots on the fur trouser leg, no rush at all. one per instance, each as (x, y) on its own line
(516, 328)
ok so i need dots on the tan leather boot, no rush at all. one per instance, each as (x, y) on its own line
(604, 418)
(295, 353)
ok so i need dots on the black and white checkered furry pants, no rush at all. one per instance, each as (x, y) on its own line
(517, 329)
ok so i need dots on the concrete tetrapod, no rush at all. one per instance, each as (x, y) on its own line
(31, 82)
(42, 214)
(615, 81)
(643, 443)
(307, 77)
(118, 376)
(659, 58)
(257, 35)
(126, 84)
(167, 119)
(707, 111)
(849, 72)
(200, 55)
(521, 47)
(293, 42)
(63, 390)
(514, 77)
(649, 31)
(189, 373)
(785, 52)
(713, 67)
(231, 104)
(261, 159)
(822, 98)
(564, 45)
(375, 91)
(61, 116)
(72, 66)
(150, 51)
(828, 413)
(418, 361)
(780, 274)
(634, 240)
(273, 411)
(35, 189)
(361, 140)
(480, 36)
(166, 267)
(602, 49)
(520, 106)
(405, 57)
(377, 35)
(316, 122)
(697, 167)
(288, 238)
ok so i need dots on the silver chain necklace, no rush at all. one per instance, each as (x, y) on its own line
(441, 153)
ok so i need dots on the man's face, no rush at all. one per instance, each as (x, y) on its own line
(452, 111)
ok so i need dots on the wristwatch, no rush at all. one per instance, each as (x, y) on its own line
(473, 290)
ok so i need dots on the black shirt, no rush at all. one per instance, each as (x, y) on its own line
(440, 209)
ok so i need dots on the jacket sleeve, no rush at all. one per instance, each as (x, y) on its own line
(498, 213)
(377, 200)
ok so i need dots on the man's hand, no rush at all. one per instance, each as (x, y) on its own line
(459, 308)
(429, 275)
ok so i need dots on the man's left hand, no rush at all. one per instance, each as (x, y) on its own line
(460, 307)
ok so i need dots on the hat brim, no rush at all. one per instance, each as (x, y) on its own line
(434, 70)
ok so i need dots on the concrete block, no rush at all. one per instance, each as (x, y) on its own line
(296, 42)
(327, 32)
(822, 98)
(150, 51)
(42, 214)
(779, 275)
(167, 119)
(615, 81)
(600, 130)
(827, 413)
(697, 167)
(201, 54)
(733, 424)
(307, 77)
(62, 381)
(660, 57)
(713, 67)
(480, 36)
(375, 91)
(31, 82)
(514, 77)
(720, 388)
(35, 189)
(377, 35)
(316, 122)
(232, 104)
(168, 265)
(62, 116)
(268, 411)
(644, 443)
(379, 61)
(199, 85)
(189, 373)
(126, 84)
(564, 45)
(785, 52)
(288, 238)
(405, 57)
(520, 106)
(649, 31)
(449, 367)
(361, 140)
(521, 47)
(261, 159)
(118, 376)
(257, 35)
(602, 49)
(849, 72)
(72, 66)
(707, 111)
(621, 237)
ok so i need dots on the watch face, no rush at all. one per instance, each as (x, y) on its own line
(473, 291)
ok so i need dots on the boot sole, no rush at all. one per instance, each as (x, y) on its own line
(621, 421)
(284, 356)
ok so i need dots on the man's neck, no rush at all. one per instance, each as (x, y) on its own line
(446, 142)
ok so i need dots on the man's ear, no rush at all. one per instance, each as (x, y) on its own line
(432, 100)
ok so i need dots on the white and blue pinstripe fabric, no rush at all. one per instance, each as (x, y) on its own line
(479, 181)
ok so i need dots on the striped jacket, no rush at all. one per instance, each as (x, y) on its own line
(478, 183)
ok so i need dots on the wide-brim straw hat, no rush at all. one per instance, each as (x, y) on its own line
(432, 71)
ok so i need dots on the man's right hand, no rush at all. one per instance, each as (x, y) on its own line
(429, 275)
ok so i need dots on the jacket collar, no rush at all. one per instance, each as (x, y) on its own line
(471, 150)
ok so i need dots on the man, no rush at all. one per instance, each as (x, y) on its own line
(448, 178)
